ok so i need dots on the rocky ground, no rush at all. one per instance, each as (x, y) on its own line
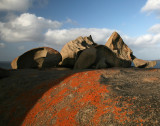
(60, 96)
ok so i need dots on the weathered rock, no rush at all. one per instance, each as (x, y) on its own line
(71, 50)
(143, 63)
(14, 63)
(117, 45)
(117, 97)
(100, 57)
(42, 57)
(106, 56)
(86, 58)
(4, 73)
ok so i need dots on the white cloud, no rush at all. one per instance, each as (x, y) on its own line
(26, 28)
(64, 35)
(147, 40)
(70, 21)
(144, 39)
(144, 46)
(151, 6)
(30, 28)
(2, 45)
(155, 29)
(100, 36)
(14, 5)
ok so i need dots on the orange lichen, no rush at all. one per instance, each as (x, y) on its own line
(61, 104)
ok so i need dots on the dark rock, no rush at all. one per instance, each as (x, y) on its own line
(100, 57)
(106, 56)
(86, 59)
(42, 57)
(4, 73)
(71, 50)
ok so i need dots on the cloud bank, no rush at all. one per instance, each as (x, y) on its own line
(64, 35)
(26, 28)
(30, 28)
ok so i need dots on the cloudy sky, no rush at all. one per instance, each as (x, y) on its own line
(26, 24)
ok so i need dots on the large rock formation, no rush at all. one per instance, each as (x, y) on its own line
(42, 57)
(98, 57)
(106, 55)
(117, 45)
(71, 50)
(106, 97)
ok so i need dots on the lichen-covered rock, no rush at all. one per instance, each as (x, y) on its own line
(42, 57)
(71, 50)
(117, 96)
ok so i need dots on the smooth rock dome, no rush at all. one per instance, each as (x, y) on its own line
(42, 57)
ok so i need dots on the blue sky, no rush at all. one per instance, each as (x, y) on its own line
(34, 23)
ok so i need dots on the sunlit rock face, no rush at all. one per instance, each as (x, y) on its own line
(117, 45)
